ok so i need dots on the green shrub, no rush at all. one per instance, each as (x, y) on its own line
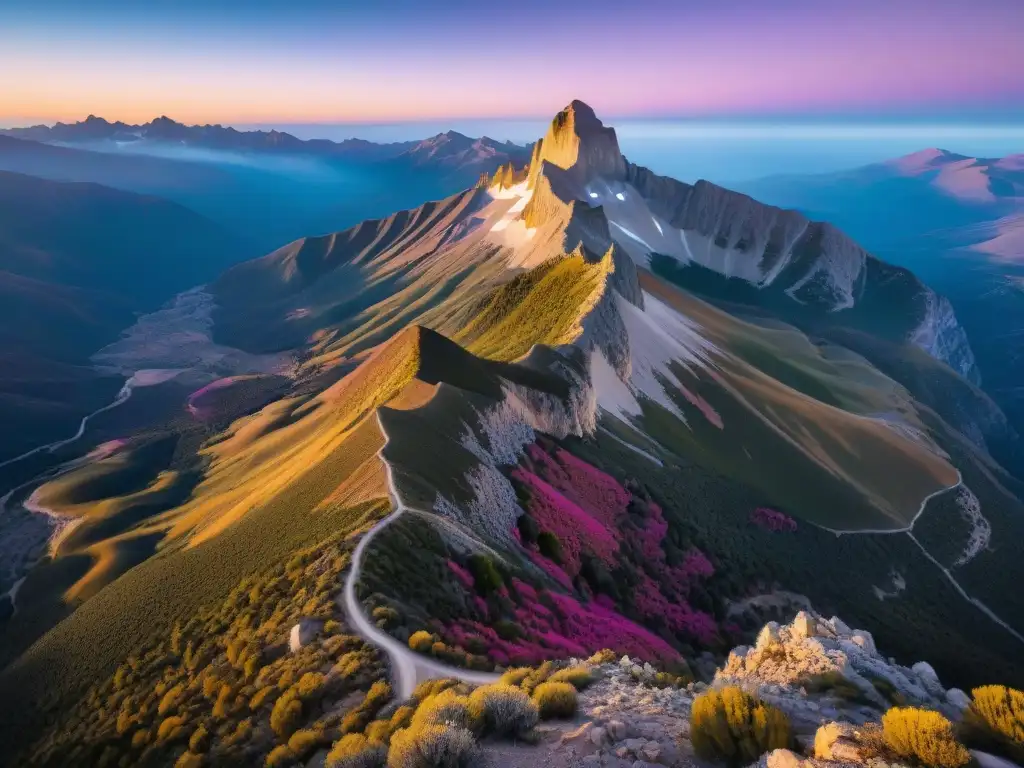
(923, 737)
(432, 746)
(555, 700)
(731, 726)
(578, 677)
(353, 750)
(486, 578)
(502, 709)
(995, 721)
(421, 641)
(549, 546)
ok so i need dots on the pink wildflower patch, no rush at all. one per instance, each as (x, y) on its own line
(551, 569)
(772, 520)
(465, 577)
(597, 492)
(576, 530)
(702, 405)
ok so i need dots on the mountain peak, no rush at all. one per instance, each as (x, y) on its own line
(578, 143)
(926, 159)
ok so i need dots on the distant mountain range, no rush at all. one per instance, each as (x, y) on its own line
(268, 187)
(450, 150)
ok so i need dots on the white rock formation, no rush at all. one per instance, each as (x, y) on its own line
(819, 670)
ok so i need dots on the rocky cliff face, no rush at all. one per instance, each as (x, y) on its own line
(815, 267)
(941, 336)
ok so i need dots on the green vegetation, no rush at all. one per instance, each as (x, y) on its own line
(731, 726)
(923, 737)
(542, 306)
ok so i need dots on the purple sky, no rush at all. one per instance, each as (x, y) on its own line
(278, 60)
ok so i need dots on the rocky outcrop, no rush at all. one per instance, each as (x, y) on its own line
(820, 670)
(942, 337)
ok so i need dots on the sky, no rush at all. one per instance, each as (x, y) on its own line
(331, 61)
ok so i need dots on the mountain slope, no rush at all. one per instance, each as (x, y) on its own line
(576, 448)
(954, 221)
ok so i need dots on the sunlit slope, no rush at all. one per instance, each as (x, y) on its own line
(820, 432)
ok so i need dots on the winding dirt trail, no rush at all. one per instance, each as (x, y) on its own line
(122, 397)
(408, 668)
(909, 531)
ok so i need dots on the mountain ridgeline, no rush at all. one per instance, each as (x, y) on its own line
(576, 406)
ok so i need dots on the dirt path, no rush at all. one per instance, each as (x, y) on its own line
(408, 668)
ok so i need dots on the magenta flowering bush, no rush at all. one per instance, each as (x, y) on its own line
(554, 625)
(576, 530)
(772, 520)
(465, 577)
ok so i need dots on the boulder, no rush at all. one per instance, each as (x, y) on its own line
(804, 625)
(768, 635)
(957, 698)
(864, 639)
(840, 627)
(783, 758)
(598, 735)
(929, 679)
(837, 742)
(616, 730)
(303, 633)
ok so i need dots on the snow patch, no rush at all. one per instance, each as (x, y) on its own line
(659, 336)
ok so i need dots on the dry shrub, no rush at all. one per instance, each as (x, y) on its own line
(447, 707)
(995, 721)
(432, 746)
(578, 677)
(189, 760)
(555, 699)
(604, 656)
(353, 750)
(286, 716)
(502, 709)
(421, 641)
(514, 675)
(731, 726)
(923, 737)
